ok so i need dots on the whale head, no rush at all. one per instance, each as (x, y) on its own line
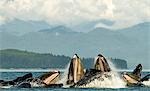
(101, 64)
(134, 77)
(76, 70)
(50, 77)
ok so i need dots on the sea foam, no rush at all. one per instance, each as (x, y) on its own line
(146, 83)
(114, 81)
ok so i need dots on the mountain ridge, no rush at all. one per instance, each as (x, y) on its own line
(131, 44)
(14, 58)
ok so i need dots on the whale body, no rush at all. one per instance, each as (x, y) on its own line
(16, 81)
(27, 81)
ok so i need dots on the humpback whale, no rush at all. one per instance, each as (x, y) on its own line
(134, 78)
(27, 81)
(101, 68)
(48, 79)
(16, 81)
(76, 70)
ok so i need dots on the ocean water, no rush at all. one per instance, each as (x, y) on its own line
(78, 89)
(13, 75)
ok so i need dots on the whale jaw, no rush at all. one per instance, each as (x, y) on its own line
(50, 77)
(101, 64)
(76, 70)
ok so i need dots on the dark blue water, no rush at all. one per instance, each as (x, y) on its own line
(13, 75)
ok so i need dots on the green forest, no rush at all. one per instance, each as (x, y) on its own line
(14, 58)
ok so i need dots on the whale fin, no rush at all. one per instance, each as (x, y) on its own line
(102, 64)
(137, 71)
(146, 78)
(76, 70)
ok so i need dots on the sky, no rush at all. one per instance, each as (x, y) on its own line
(123, 13)
(113, 14)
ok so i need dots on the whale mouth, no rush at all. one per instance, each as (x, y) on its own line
(75, 71)
(101, 64)
(50, 78)
(129, 79)
(133, 78)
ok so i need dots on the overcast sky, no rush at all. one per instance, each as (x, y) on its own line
(72, 12)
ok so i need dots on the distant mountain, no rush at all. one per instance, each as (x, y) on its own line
(132, 44)
(62, 29)
(20, 27)
(87, 26)
(57, 30)
(12, 58)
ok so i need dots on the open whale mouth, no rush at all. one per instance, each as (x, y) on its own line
(75, 71)
(133, 78)
(101, 64)
(50, 78)
(127, 78)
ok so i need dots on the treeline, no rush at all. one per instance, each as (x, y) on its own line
(13, 58)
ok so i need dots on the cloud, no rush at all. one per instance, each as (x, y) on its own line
(130, 12)
(72, 12)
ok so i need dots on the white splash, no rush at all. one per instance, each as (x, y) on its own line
(114, 81)
(146, 83)
(106, 82)
(63, 78)
(6, 86)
